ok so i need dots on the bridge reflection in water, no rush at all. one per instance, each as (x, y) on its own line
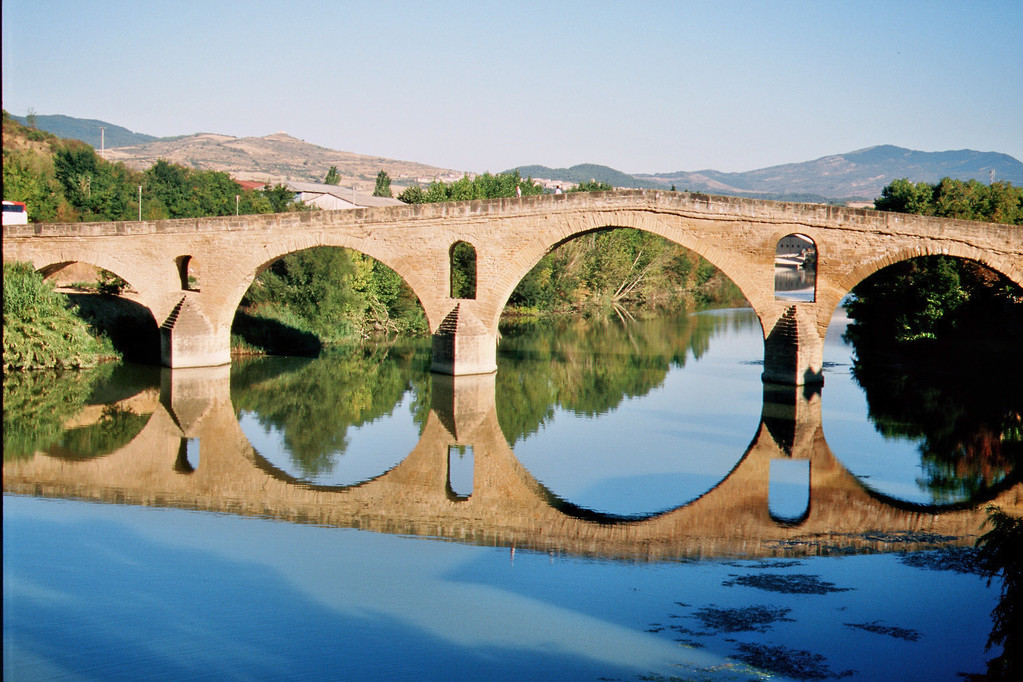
(506, 505)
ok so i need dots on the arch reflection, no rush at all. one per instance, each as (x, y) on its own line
(508, 506)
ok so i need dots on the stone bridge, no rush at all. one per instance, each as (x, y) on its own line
(506, 506)
(509, 236)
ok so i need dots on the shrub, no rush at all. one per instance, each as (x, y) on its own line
(41, 328)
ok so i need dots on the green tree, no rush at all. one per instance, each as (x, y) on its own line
(281, 199)
(592, 186)
(485, 186)
(1000, 202)
(98, 190)
(383, 186)
(28, 177)
(333, 177)
(335, 294)
(174, 191)
(902, 196)
(413, 194)
(1004, 204)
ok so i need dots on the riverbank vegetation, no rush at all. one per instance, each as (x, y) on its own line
(323, 296)
(41, 328)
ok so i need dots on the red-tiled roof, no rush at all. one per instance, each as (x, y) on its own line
(251, 184)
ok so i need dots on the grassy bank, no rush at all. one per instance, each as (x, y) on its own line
(41, 328)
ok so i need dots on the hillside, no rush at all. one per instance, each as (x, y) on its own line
(86, 130)
(272, 158)
(584, 173)
(859, 174)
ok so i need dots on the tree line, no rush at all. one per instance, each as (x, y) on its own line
(999, 202)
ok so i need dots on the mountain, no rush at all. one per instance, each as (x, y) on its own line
(585, 172)
(87, 130)
(859, 174)
(272, 158)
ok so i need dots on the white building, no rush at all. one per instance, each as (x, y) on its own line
(336, 197)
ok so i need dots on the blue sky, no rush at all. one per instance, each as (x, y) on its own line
(476, 86)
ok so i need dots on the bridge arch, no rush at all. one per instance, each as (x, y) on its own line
(138, 340)
(136, 281)
(568, 228)
(248, 269)
(871, 266)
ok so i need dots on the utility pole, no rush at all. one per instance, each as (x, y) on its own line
(140, 201)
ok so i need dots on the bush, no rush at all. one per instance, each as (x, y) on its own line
(41, 328)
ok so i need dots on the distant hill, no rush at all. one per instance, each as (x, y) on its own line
(273, 158)
(585, 172)
(859, 174)
(87, 130)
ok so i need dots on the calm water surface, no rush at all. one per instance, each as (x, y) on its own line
(589, 513)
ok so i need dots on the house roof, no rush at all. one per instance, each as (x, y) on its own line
(344, 193)
(251, 184)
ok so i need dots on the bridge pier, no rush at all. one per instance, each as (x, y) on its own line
(794, 349)
(188, 339)
(463, 345)
(792, 416)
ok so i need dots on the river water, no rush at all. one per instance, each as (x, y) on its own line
(617, 503)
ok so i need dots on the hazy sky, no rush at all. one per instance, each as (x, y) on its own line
(478, 85)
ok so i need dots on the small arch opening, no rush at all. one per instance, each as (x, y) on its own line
(788, 497)
(463, 270)
(461, 469)
(795, 269)
(188, 273)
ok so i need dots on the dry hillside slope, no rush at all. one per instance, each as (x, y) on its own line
(272, 158)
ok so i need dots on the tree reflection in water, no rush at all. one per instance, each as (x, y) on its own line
(970, 427)
(1001, 554)
(936, 344)
(590, 366)
(314, 403)
(45, 411)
